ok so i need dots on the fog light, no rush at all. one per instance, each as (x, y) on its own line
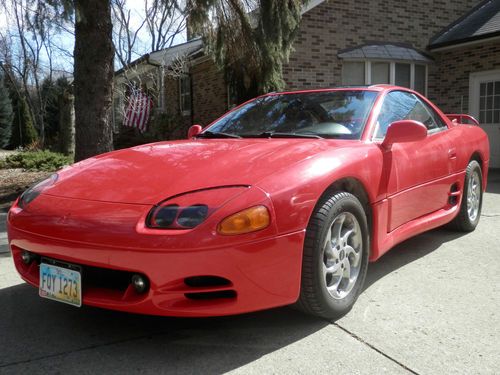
(139, 283)
(27, 257)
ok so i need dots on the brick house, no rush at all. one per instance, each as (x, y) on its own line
(447, 50)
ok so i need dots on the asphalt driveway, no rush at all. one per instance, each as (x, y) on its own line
(430, 306)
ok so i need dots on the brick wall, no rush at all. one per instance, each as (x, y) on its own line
(338, 24)
(209, 92)
(449, 78)
(172, 100)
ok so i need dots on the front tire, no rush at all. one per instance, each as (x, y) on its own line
(472, 200)
(335, 258)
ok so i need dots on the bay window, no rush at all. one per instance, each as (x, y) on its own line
(371, 72)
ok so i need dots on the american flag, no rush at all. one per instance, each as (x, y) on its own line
(138, 110)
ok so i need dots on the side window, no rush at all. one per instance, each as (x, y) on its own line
(400, 105)
(396, 107)
(437, 119)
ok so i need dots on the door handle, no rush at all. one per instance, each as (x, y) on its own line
(452, 153)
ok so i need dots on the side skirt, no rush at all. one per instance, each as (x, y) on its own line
(383, 241)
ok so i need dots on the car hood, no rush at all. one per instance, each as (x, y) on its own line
(151, 173)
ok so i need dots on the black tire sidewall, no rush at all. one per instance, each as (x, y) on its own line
(338, 307)
(471, 168)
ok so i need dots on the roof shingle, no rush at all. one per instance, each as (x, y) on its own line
(481, 22)
(384, 51)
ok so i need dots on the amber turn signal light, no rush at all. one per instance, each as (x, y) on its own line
(246, 221)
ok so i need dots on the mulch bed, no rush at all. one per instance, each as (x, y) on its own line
(14, 181)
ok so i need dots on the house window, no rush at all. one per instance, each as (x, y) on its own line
(420, 83)
(381, 72)
(353, 73)
(403, 75)
(185, 95)
(411, 75)
(489, 102)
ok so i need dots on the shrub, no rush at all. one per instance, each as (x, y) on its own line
(37, 161)
(23, 131)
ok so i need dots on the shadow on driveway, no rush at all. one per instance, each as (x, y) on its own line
(35, 329)
(493, 185)
(407, 252)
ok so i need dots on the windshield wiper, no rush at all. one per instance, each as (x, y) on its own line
(210, 134)
(283, 135)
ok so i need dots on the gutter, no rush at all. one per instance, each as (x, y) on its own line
(490, 37)
(143, 58)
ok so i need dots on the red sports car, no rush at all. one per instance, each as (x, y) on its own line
(283, 200)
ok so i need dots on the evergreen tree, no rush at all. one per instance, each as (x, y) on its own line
(251, 46)
(23, 131)
(51, 94)
(5, 115)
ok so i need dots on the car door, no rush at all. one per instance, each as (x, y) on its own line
(416, 171)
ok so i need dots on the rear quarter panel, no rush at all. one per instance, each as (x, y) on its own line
(469, 141)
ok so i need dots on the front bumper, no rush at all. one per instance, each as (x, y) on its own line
(261, 273)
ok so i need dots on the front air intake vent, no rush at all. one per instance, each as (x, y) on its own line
(206, 281)
(454, 193)
(221, 294)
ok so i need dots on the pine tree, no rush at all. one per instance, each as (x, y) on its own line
(23, 131)
(51, 93)
(250, 46)
(6, 115)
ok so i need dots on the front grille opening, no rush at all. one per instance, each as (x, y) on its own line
(206, 281)
(222, 294)
(94, 277)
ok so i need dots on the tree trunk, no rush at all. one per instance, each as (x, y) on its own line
(93, 73)
(66, 123)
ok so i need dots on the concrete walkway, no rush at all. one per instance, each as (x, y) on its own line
(430, 306)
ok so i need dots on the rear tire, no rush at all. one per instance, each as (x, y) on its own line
(472, 200)
(335, 258)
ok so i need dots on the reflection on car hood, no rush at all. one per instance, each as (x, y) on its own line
(150, 173)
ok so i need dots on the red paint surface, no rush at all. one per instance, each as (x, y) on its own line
(95, 213)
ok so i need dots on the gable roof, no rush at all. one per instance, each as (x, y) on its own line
(481, 22)
(166, 56)
(311, 4)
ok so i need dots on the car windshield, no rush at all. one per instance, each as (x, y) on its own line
(326, 114)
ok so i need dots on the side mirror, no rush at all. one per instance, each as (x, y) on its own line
(404, 131)
(194, 130)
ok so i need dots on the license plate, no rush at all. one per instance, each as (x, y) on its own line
(61, 284)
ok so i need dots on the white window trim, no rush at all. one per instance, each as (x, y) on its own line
(392, 71)
(181, 94)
